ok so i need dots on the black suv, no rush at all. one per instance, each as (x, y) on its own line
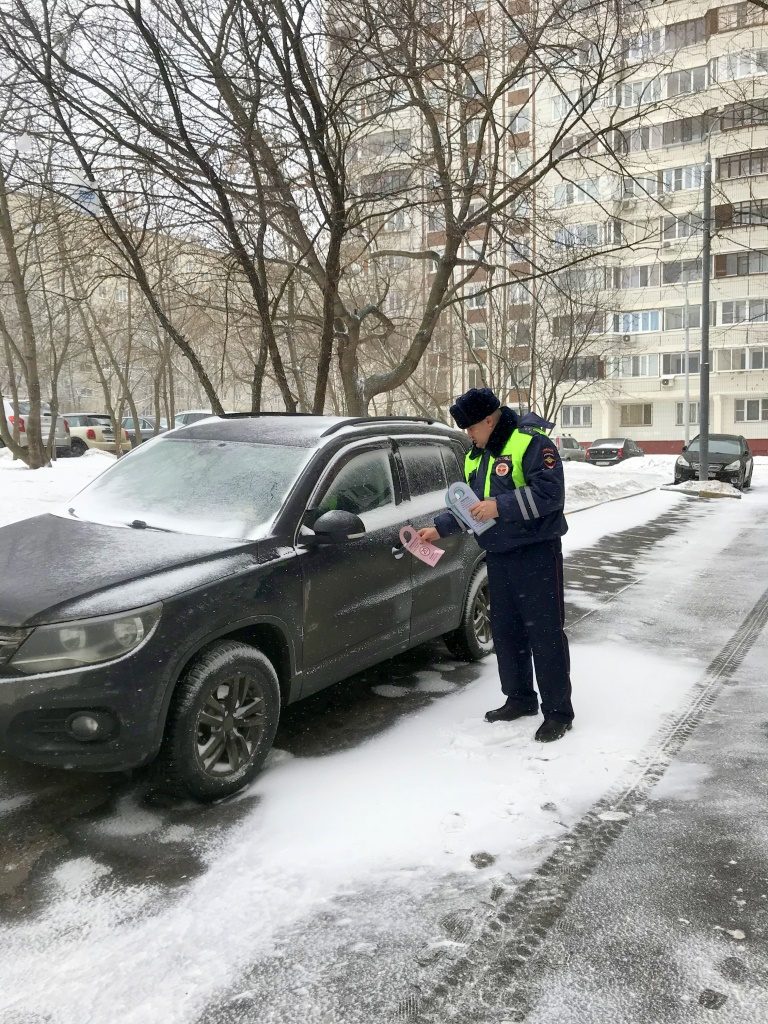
(730, 460)
(217, 573)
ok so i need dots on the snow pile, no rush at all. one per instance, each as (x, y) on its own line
(710, 489)
(32, 492)
(587, 485)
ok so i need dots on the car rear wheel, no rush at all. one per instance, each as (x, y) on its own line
(78, 447)
(222, 722)
(472, 640)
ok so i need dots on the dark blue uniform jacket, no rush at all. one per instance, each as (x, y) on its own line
(527, 515)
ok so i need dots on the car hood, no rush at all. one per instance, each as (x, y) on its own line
(55, 568)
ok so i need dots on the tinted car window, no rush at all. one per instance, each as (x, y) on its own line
(423, 469)
(453, 468)
(361, 485)
(98, 421)
(210, 488)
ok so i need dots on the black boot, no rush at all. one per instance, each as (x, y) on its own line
(552, 729)
(509, 712)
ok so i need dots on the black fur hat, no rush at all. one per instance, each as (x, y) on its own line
(474, 406)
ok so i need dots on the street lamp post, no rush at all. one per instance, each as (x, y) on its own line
(705, 275)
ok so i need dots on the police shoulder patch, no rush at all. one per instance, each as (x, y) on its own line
(549, 458)
(502, 467)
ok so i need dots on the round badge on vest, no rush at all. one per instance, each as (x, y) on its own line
(502, 468)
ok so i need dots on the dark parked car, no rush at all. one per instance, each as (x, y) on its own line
(209, 578)
(730, 460)
(146, 428)
(607, 451)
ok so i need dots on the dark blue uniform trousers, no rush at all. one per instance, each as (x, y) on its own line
(527, 620)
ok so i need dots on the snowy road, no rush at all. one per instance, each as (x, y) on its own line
(372, 863)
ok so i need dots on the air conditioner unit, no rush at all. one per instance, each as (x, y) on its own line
(667, 382)
(667, 243)
(628, 204)
(626, 339)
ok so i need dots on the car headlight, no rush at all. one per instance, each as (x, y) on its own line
(66, 645)
(733, 467)
(681, 461)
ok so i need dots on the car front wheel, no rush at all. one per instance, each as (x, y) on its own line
(472, 640)
(222, 722)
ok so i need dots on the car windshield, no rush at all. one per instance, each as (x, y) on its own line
(615, 441)
(210, 488)
(718, 446)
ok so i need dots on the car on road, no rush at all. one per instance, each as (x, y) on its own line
(608, 451)
(569, 448)
(217, 574)
(146, 427)
(730, 460)
(94, 430)
(183, 419)
(62, 439)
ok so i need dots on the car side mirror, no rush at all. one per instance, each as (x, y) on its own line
(684, 448)
(336, 527)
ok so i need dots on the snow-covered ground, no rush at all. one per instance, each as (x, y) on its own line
(403, 810)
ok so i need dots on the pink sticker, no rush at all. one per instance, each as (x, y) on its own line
(421, 549)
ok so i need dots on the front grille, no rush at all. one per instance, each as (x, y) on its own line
(10, 641)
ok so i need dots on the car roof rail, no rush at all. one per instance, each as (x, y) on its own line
(354, 420)
(256, 415)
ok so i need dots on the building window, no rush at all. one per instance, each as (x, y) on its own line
(744, 115)
(741, 264)
(435, 219)
(743, 165)
(675, 179)
(685, 33)
(740, 15)
(681, 82)
(739, 65)
(478, 337)
(475, 377)
(579, 325)
(576, 368)
(730, 359)
(636, 277)
(395, 221)
(748, 213)
(477, 296)
(520, 121)
(645, 44)
(632, 94)
(633, 366)
(684, 129)
(750, 410)
(681, 226)
(638, 322)
(674, 363)
(636, 415)
(645, 185)
(576, 416)
(681, 271)
(693, 413)
(568, 193)
(745, 311)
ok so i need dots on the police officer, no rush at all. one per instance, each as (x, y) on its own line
(515, 470)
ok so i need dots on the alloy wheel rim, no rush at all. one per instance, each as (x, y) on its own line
(481, 616)
(230, 725)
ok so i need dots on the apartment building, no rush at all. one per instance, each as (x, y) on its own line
(628, 208)
(711, 93)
